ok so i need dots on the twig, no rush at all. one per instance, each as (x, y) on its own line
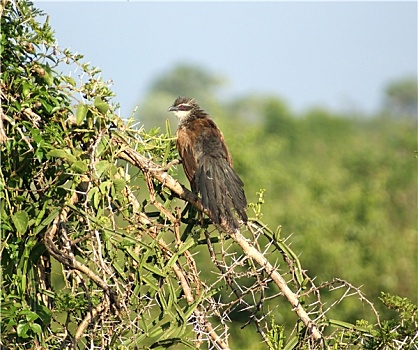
(87, 320)
(3, 136)
(71, 262)
(197, 313)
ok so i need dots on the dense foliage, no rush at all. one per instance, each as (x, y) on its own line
(97, 254)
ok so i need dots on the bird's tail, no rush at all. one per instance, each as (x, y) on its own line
(221, 190)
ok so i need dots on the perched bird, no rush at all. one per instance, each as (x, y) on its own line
(208, 163)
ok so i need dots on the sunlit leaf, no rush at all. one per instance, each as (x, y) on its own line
(21, 220)
(101, 105)
(48, 76)
(69, 80)
(30, 315)
(102, 166)
(119, 184)
(60, 153)
(36, 328)
(79, 167)
(81, 113)
(22, 329)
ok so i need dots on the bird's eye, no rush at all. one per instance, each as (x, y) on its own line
(182, 107)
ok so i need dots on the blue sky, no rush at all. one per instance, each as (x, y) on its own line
(334, 54)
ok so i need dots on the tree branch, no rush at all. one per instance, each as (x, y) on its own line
(151, 168)
(72, 262)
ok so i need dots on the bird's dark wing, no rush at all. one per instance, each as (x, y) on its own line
(215, 179)
(221, 190)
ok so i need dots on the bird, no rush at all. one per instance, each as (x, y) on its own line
(207, 163)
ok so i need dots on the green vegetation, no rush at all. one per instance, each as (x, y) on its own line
(343, 185)
(96, 254)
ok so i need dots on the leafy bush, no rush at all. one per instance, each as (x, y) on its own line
(95, 250)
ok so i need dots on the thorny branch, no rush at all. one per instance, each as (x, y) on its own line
(149, 167)
(69, 261)
(182, 276)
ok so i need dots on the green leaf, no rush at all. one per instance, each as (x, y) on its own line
(145, 265)
(48, 77)
(46, 221)
(81, 113)
(36, 328)
(97, 198)
(79, 167)
(346, 325)
(292, 343)
(119, 185)
(102, 166)
(104, 187)
(44, 314)
(60, 153)
(22, 329)
(25, 89)
(159, 329)
(41, 213)
(30, 315)
(103, 145)
(69, 80)
(21, 220)
(101, 105)
(91, 192)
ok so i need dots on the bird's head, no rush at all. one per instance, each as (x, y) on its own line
(183, 108)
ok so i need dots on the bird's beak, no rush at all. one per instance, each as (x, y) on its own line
(172, 109)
